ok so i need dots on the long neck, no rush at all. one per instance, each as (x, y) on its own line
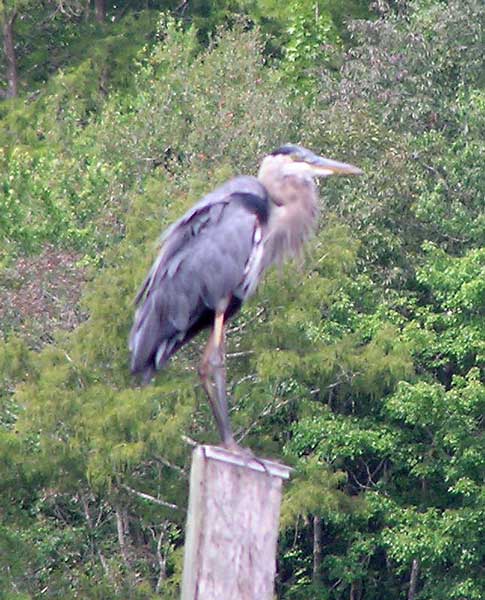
(293, 215)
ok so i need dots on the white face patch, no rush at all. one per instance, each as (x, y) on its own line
(298, 169)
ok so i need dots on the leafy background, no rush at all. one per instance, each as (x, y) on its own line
(362, 367)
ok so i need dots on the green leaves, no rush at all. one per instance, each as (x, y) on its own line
(361, 364)
(313, 39)
(314, 489)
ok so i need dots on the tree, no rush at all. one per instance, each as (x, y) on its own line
(363, 369)
(109, 466)
(8, 16)
(100, 10)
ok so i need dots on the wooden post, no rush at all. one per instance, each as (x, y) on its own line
(232, 526)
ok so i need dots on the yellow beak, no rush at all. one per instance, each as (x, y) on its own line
(325, 166)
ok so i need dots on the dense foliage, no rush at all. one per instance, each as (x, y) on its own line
(362, 366)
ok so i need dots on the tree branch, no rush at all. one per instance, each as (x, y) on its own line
(269, 409)
(171, 465)
(149, 497)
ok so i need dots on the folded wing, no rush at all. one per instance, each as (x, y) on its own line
(211, 255)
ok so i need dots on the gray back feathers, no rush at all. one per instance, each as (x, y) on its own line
(212, 253)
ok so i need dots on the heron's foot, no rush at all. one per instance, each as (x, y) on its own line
(246, 454)
(231, 444)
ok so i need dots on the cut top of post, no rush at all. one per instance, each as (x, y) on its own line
(256, 464)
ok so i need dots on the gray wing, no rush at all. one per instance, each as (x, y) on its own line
(212, 253)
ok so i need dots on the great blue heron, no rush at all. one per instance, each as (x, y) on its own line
(212, 259)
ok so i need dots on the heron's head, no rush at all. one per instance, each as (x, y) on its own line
(293, 160)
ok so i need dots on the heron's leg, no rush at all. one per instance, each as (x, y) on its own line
(220, 379)
(212, 372)
(213, 376)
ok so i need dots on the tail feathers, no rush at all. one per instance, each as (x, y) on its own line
(165, 351)
(163, 324)
(146, 365)
(152, 342)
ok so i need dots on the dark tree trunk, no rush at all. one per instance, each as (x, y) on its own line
(8, 21)
(413, 579)
(92, 529)
(162, 555)
(356, 590)
(87, 9)
(124, 539)
(317, 548)
(100, 10)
